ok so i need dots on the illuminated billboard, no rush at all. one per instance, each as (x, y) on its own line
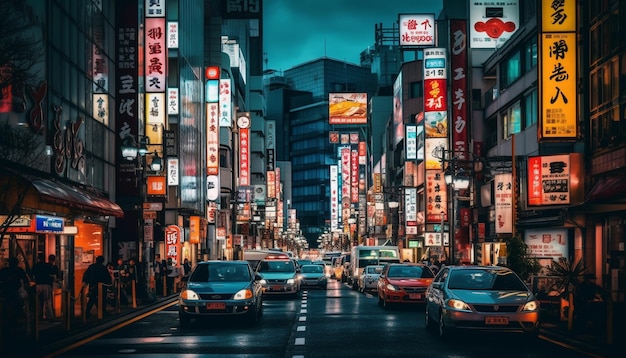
(347, 108)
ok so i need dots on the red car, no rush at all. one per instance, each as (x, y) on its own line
(403, 283)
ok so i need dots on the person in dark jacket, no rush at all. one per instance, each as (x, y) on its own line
(13, 279)
(96, 273)
(44, 275)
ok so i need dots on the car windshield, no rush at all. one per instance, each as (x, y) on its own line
(312, 269)
(497, 280)
(374, 270)
(409, 271)
(220, 273)
(276, 266)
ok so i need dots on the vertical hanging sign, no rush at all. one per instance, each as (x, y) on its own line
(458, 63)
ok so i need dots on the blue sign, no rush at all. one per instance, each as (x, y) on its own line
(48, 223)
(435, 63)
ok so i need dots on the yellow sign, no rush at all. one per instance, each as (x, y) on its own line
(558, 98)
(558, 16)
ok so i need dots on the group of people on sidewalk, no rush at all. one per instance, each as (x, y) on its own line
(124, 273)
(168, 270)
(17, 287)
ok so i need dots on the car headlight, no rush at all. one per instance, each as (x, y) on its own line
(531, 306)
(243, 294)
(458, 305)
(189, 295)
(263, 282)
(391, 287)
(291, 281)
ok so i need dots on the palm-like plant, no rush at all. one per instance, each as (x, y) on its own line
(569, 273)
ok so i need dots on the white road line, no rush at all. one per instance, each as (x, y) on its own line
(302, 319)
(303, 311)
(301, 329)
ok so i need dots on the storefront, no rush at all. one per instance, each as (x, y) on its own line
(58, 219)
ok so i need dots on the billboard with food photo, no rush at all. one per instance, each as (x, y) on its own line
(347, 108)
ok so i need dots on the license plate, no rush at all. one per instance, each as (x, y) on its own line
(415, 296)
(497, 320)
(276, 288)
(216, 306)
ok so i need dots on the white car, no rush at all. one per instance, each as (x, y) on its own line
(368, 279)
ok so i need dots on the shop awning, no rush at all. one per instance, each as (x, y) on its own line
(608, 194)
(75, 198)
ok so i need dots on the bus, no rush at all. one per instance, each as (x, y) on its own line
(369, 255)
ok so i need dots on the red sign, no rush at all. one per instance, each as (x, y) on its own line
(157, 185)
(212, 73)
(244, 156)
(173, 237)
(458, 59)
(435, 95)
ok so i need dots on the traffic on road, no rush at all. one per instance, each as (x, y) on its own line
(304, 322)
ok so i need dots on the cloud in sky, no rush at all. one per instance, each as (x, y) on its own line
(298, 31)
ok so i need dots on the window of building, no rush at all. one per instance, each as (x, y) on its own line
(530, 54)
(416, 89)
(510, 70)
(530, 109)
(511, 120)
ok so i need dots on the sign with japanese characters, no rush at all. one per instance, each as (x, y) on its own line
(503, 190)
(549, 180)
(173, 238)
(417, 30)
(558, 47)
(244, 156)
(436, 196)
(213, 139)
(492, 23)
(459, 107)
(126, 90)
(547, 242)
(225, 99)
(156, 54)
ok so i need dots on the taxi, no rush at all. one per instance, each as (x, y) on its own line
(279, 275)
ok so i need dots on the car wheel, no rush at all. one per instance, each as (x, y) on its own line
(442, 329)
(185, 320)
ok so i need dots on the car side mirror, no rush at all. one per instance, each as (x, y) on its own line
(437, 285)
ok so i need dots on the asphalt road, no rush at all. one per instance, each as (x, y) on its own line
(337, 322)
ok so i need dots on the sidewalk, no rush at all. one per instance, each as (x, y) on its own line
(53, 336)
(594, 343)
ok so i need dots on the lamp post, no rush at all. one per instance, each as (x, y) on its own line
(455, 178)
(133, 150)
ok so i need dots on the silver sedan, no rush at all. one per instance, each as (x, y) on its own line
(480, 298)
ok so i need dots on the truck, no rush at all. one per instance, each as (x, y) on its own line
(369, 255)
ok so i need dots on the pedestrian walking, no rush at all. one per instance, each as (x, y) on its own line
(44, 276)
(52, 260)
(159, 271)
(96, 273)
(173, 273)
(186, 268)
(14, 291)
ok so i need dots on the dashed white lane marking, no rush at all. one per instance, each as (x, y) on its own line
(299, 341)
(297, 356)
(303, 311)
(302, 319)
(301, 328)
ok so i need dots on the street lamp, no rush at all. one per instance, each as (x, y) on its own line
(133, 150)
(455, 179)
